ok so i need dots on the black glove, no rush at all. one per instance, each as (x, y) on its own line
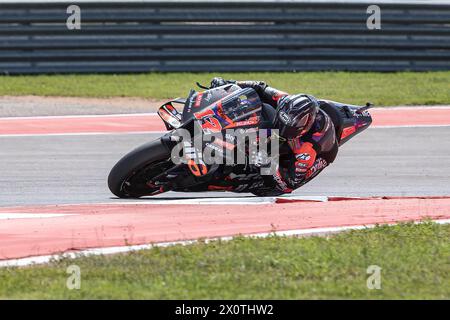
(218, 82)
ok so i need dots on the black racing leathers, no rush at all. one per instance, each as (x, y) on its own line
(310, 153)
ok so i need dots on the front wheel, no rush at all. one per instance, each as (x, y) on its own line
(129, 177)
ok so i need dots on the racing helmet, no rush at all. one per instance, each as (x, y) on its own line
(295, 115)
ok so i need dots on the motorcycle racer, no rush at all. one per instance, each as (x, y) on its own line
(303, 127)
(309, 132)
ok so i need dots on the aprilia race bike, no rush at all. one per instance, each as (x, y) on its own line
(150, 169)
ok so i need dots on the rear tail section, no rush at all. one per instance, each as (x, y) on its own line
(349, 120)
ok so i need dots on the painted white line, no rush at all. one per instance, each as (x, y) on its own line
(115, 250)
(251, 200)
(445, 107)
(77, 134)
(115, 115)
(15, 135)
(18, 135)
(227, 201)
(124, 115)
(9, 216)
(410, 126)
(200, 201)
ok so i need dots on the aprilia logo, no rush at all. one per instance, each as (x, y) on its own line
(318, 165)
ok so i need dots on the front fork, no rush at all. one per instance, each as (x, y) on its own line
(175, 177)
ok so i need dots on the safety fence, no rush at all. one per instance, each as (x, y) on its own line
(143, 36)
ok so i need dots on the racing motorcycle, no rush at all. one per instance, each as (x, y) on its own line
(150, 169)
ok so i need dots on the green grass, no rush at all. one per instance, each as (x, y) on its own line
(414, 261)
(407, 88)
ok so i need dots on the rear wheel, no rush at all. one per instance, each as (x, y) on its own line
(129, 177)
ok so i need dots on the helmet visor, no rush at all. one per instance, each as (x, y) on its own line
(300, 121)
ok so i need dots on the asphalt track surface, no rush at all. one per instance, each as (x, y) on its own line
(73, 169)
(48, 162)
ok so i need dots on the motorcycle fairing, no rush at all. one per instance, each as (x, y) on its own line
(241, 108)
(197, 101)
(349, 120)
(170, 115)
(232, 107)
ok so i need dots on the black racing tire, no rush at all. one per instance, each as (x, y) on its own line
(151, 153)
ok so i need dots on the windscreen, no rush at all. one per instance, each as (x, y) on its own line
(198, 101)
(241, 108)
(241, 105)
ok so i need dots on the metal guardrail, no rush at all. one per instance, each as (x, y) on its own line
(143, 36)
